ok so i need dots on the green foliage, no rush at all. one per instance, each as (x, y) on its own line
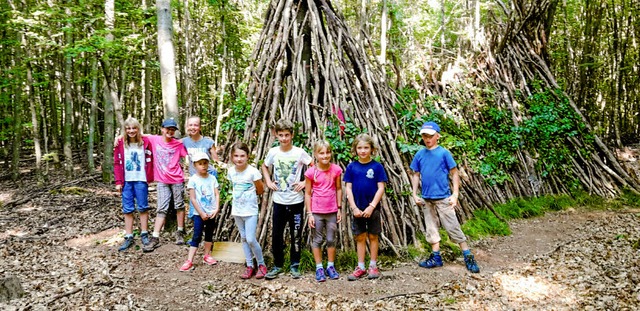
(484, 223)
(346, 260)
(240, 111)
(341, 140)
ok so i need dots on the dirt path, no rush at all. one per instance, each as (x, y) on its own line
(62, 248)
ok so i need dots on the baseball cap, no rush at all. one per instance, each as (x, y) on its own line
(167, 123)
(429, 128)
(199, 156)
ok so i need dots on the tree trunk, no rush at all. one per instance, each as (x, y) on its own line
(167, 60)
(92, 116)
(68, 103)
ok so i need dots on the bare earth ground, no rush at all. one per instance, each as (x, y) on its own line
(61, 244)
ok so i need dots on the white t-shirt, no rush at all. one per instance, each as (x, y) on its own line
(134, 163)
(245, 199)
(205, 194)
(287, 170)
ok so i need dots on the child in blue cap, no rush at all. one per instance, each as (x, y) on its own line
(433, 166)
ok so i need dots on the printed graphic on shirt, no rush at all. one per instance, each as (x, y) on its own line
(164, 156)
(370, 173)
(133, 162)
(286, 174)
(206, 198)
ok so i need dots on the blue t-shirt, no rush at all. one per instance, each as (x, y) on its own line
(364, 179)
(434, 166)
(204, 144)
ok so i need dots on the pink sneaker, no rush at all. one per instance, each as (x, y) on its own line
(357, 273)
(247, 273)
(373, 273)
(209, 260)
(187, 266)
(262, 271)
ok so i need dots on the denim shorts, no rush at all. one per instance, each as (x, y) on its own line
(137, 191)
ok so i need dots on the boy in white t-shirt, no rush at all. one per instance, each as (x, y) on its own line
(288, 184)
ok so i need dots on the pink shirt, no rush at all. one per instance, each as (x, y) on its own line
(166, 158)
(323, 191)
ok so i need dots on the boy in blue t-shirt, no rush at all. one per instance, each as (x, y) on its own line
(432, 167)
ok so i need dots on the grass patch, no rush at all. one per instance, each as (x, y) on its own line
(484, 223)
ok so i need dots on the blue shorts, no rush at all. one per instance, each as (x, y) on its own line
(138, 190)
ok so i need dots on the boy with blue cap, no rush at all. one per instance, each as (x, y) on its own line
(433, 166)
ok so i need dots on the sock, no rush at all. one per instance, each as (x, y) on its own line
(156, 234)
(181, 229)
(144, 232)
(436, 253)
(318, 266)
(466, 252)
(128, 236)
(329, 264)
(361, 265)
(372, 264)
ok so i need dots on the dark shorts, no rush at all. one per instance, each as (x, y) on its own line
(371, 225)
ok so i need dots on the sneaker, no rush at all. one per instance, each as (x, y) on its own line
(153, 244)
(179, 237)
(332, 273)
(209, 260)
(295, 272)
(320, 275)
(471, 264)
(248, 273)
(128, 242)
(187, 266)
(431, 262)
(144, 238)
(262, 271)
(275, 271)
(373, 273)
(357, 273)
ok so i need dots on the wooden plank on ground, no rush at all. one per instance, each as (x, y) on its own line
(228, 252)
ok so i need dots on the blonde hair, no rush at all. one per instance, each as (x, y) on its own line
(133, 122)
(318, 145)
(366, 138)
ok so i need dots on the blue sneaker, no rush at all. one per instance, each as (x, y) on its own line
(471, 264)
(332, 273)
(128, 242)
(320, 275)
(431, 262)
(275, 271)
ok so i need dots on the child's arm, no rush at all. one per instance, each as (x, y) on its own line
(352, 203)
(455, 180)
(415, 182)
(267, 178)
(217, 206)
(196, 205)
(376, 200)
(259, 186)
(307, 202)
(339, 197)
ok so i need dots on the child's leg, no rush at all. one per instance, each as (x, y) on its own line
(374, 229)
(240, 223)
(373, 247)
(208, 236)
(177, 192)
(361, 247)
(432, 224)
(250, 226)
(164, 198)
(279, 221)
(449, 220)
(141, 189)
(128, 224)
(295, 228)
(332, 227)
(198, 227)
(318, 237)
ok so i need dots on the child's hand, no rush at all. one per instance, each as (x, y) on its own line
(299, 186)
(454, 200)
(338, 217)
(272, 185)
(119, 188)
(367, 212)
(418, 200)
(312, 222)
(204, 216)
(357, 213)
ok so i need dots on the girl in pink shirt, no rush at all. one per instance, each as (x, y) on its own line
(323, 198)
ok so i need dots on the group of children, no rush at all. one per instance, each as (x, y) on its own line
(298, 183)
